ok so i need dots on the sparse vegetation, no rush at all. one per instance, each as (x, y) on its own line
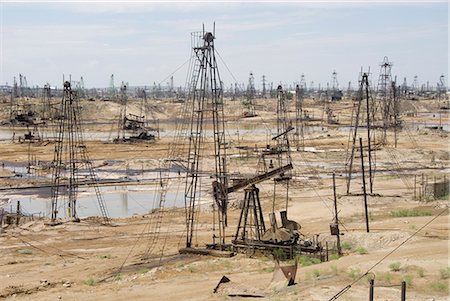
(395, 266)
(354, 273)
(408, 279)
(307, 261)
(269, 270)
(106, 256)
(90, 281)
(439, 286)
(334, 269)
(143, 270)
(192, 269)
(25, 251)
(445, 273)
(316, 273)
(118, 277)
(386, 277)
(279, 254)
(410, 213)
(361, 251)
(334, 257)
(421, 272)
(346, 245)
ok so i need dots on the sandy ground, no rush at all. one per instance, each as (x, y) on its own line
(90, 261)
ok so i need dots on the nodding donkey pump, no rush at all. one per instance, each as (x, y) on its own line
(287, 234)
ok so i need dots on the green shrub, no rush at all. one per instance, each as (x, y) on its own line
(445, 273)
(387, 277)
(354, 273)
(439, 286)
(90, 281)
(334, 257)
(307, 261)
(25, 251)
(410, 213)
(143, 270)
(269, 269)
(279, 254)
(408, 279)
(346, 245)
(421, 272)
(395, 266)
(361, 250)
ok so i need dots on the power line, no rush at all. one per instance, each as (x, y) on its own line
(345, 289)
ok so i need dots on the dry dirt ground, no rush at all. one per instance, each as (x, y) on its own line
(127, 261)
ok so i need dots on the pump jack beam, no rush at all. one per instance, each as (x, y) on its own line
(259, 178)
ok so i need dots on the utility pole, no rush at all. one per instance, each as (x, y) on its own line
(299, 131)
(364, 186)
(368, 119)
(336, 219)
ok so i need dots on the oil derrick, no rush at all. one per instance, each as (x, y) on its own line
(349, 90)
(415, 85)
(396, 109)
(15, 89)
(122, 113)
(251, 231)
(46, 107)
(441, 87)
(302, 85)
(22, 85)
(363, 96)
(282, 139)
(335, 94)
(250, 98)
(384, 96)
(79, 88)
(206, 97)
(299, 117)
(112, 88)
(71, 162)
(131, 122)
(404, 88)
(264, 87)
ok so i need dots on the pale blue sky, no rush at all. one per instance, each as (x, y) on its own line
(143, 42)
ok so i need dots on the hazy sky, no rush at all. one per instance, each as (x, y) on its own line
(144, 42)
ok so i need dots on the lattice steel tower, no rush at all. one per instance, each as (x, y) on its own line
(71, 162)
(299, 126)
(384, 95)
(206, 97)
(364, 96)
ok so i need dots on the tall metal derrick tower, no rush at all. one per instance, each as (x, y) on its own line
(441, 86)
(122, 112)
(363, 97)
(71, 162)
(251, 94)
(385, 96)
(299, 126)
(206, 95)
(282, 139)
(264, 90)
